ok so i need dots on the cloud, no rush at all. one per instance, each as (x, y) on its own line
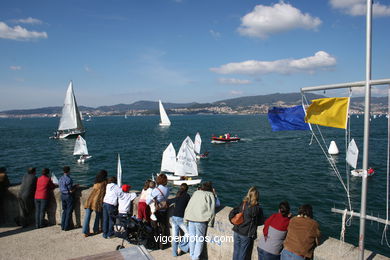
(358, 7)
(232, 81)
(15, 67)
(28, 20)
(215, 35)
(320, 60)
(375, 91)
(19, 33)
(266, 20)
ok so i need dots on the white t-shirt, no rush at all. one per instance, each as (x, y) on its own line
(113, 192)
(125, 202)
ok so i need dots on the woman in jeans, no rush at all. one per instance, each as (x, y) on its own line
(95, 203)
(177, 220)
(274, 233)
(303, 234)
(246, 232)
(160, 195)
(200, 213)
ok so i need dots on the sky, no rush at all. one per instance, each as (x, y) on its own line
(122, 51)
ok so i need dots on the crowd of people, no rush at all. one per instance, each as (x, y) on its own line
(284, 236)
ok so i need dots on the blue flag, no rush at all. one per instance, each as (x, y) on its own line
(287, 118)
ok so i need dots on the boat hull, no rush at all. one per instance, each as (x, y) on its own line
(69, 135)
(171, 177)
(360, 172)
(188, 182)
(224, 140)
(83, 160)
(164, 124)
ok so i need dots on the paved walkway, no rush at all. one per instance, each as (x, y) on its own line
(52, 243)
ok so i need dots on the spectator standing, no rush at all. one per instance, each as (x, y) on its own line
(95, 203)
(67, 189)
(177, 220)
(200, 213)
(4, 184)
(303, 234)
(274, 233)
(26, 197)
(125, 201)
(110, 202)
(143, 208)
(246, 232)
(160, 195)
(44, 186)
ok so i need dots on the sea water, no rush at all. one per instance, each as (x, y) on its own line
(282, 165)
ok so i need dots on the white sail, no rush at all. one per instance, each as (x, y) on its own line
(80, 147)
(54, 178)
(197, 143)
(186, 161)
(352, 154)
(163, 116)
(190, 144)
(168, 162)
(70, 118)
(119, 172)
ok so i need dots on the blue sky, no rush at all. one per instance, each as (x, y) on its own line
(122, 51)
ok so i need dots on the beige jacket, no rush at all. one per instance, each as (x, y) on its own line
(201, 207)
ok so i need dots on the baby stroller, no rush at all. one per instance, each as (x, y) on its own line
(134, 231)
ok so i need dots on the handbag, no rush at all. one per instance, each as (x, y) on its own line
(161, 205)
(238, 219)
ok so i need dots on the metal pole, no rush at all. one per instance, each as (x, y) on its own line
(366, 131)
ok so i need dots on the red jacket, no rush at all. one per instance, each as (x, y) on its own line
(44, 185)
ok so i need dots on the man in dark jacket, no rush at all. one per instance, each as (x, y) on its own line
(26, 198)
(4, 184)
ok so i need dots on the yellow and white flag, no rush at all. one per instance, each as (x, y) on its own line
(332, 112)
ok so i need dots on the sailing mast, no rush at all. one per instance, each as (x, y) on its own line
(366, 130)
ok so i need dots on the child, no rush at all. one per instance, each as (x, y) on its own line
(143, 208)
(152, 185)
(125, 201)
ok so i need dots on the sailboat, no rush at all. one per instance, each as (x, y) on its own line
(163, 115)
(186, 166)
(80, 148)
(168, 162)
(119, 172)
(197, 143)
(71, 124)
(197, 146)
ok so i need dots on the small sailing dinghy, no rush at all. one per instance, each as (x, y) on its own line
(80, 148)
(163, 116)
(352, 158)
(168, 163)
(71, 124)
(119, 172)
(197, 145)
(186, 166)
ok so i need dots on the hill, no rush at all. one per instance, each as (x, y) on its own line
(242, 105)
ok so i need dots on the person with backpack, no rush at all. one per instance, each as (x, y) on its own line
(245, 230)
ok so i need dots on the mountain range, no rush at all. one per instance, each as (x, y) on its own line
(235, 104)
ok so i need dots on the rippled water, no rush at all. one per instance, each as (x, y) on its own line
(281, 164)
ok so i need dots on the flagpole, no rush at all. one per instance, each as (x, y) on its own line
(366, 130)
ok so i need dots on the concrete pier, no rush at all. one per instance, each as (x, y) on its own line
(47, 244)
